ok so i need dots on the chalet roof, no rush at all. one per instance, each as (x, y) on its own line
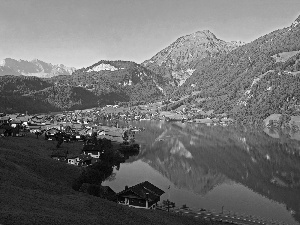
(142, 190)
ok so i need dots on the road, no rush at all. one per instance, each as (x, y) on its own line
(224, 217)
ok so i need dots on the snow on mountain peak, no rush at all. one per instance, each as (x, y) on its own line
(34, 67)
(103, 66)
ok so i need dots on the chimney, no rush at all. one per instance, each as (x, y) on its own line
(126, 187)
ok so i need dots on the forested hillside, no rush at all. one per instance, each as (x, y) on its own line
(122, 80)
(106, 82)
(254, 79)
(15, 91)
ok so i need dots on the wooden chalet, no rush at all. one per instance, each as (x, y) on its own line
(73, 160)
(16, 123)
(143, 195)
(79, 160)
(95, 149)
(51, 133)
(92, 150)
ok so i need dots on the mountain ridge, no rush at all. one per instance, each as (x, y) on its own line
(240, 75)
(102, 83)
(178, 60)
(34, 67)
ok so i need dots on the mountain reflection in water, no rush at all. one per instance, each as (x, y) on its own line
(246, 171)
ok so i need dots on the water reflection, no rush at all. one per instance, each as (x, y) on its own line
(279, 133)
(247, 170)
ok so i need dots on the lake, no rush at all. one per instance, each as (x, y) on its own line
(246, 171)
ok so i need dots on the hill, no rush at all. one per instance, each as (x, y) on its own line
(253, 80)
(34, 67)
(106, 82)
(15, 94)
(123, 80)
(177, 62)
(37, 190)
(35, 95)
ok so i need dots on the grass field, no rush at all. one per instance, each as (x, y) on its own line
(35, 189)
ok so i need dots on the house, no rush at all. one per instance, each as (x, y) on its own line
(80, 160)
(51, 134)
(16, 123)
(143, 195)
(73, 160)
(92, 150)
(95, 149)
(86, 160)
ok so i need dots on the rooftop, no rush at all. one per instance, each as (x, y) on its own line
(143, 189)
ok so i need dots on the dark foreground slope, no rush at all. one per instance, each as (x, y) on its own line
(35, 189)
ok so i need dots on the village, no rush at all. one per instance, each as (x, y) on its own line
(84, 138)
(82, 123)
(109, 142)
(100, 131)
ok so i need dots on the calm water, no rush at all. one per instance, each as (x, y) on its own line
(248, 172)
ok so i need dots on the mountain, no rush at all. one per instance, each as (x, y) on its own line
(125, 80)
(177, 62)
(105, 82)
(35, 95)
(35, 67)
(251, 81)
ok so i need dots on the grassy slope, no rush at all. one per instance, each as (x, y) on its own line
(35, 189)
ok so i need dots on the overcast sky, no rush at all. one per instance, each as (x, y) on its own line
(82, 32)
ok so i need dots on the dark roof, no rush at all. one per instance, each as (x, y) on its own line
(52, 130)
(142, 189)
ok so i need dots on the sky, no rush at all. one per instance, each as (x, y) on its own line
(80, 33)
